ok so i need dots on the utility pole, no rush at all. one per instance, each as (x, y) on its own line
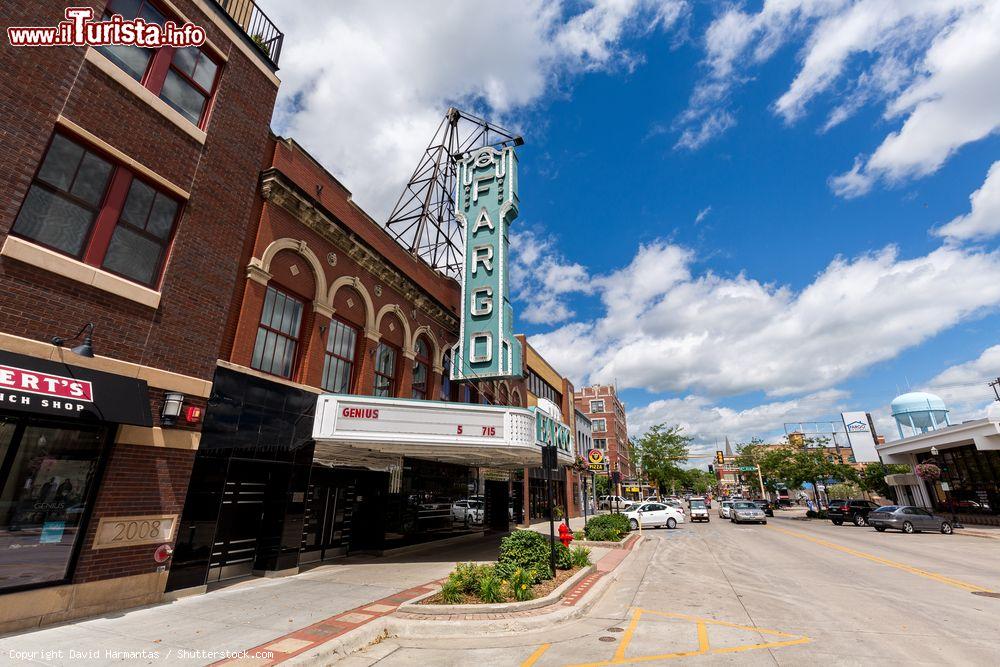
(996, 387)
(760, 478)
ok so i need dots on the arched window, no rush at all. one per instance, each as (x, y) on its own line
(503, 395)
(341, 350)
(421, 367)
(385, 370)
(446, 378)
(277, 342)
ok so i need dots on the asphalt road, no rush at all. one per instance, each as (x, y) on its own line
(789, 593)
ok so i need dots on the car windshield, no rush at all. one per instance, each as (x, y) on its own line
(745, 506)
(887, 508)
(697, 504)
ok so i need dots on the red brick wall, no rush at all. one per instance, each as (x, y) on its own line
(205, 265)
(137, 481)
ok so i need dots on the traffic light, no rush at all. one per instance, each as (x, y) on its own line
(719, 458)
(711, 468)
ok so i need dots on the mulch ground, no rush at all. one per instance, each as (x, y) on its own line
(541, 590)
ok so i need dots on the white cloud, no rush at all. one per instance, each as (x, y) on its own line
(983, 218)
(931, 62)
(364, 84)
(709, 424)
(702, 214)
(541, 278)
(965, 387)
(668, 330)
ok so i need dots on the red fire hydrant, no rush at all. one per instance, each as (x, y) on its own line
(565, 534)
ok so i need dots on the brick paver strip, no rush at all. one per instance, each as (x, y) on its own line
(309, 637)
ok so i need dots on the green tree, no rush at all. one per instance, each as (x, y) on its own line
(699, 481)
(603, 485)
(813, 465)
(659, 453)
(872, 477)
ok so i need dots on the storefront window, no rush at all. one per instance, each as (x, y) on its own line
(46, 477)
(972, 477)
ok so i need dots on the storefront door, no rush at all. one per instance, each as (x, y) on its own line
(326, 525)
(240, 520)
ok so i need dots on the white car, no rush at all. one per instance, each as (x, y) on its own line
(611, 502)
(654, 514)
(725, 507)
(470, 511)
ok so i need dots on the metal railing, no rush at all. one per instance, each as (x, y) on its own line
(255, 24)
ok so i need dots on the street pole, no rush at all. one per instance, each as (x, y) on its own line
(760, 478)
(583, 480)
(552, 523)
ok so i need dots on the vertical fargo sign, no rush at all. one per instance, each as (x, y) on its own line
(487, 204)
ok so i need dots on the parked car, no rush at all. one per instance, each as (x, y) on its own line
(853, 510)
(467, 511)
(699, 509)
(654, 514)
(673, 502)
(724, 508)
(765, 506)
(746, 511)
(611, 502)
(908, 519)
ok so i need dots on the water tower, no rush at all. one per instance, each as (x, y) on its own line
(919, 412)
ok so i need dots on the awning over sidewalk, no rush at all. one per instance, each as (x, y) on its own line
(369, 430)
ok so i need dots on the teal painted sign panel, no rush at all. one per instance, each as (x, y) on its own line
(549, 431)
(487, 204)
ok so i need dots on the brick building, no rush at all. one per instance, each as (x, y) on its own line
(329, 304)
(608, 427)
(129, 178)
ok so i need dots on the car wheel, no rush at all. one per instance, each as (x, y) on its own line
(946, 528)
(764, 522)
(633, 524)
(672, 523)
(907, 527)
(837, 522)
(859, 520)
(880, 529)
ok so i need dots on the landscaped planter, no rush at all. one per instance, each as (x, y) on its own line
(415, 607)
(620, 544)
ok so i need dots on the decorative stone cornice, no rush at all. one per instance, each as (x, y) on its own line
(256, 272)
(277, 190)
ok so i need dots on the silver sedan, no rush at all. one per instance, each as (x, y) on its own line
(746, 511)
(908, 519)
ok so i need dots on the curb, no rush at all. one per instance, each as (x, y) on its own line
(392, 626)
(414, 606)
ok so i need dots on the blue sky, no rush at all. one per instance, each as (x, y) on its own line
(691, 226)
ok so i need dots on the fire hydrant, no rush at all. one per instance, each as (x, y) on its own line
(565, 534)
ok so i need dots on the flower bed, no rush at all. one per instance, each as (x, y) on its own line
(520, 574)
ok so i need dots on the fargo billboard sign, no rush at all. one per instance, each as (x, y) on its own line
(860, 436)
(487, 204)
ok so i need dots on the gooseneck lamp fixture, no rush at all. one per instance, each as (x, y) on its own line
(84, 349)
(172, 403)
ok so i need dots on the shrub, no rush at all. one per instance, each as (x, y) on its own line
(607, 527)
(564, 559)
(468, 575)
(524, 550)
(491, 588)
(579, 535)
(451, 591)
(580, 556)
(521, 581)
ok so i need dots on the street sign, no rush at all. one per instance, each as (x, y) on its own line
(747, 468)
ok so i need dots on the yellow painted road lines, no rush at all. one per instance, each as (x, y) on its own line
(533, 658)
(963, 585)
(704, 647)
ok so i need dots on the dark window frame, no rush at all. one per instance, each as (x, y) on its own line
(394, 378)
(353, 361)
(108, 215)
(298, 349)
(425, 362)
(162, 61)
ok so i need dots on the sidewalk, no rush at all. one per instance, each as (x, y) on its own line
(201, 629)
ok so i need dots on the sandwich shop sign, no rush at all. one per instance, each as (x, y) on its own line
(487, 204)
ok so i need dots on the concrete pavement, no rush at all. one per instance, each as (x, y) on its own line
(789, 593)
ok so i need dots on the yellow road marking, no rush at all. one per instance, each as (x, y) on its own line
(965, 586)
(703, 645)
(533, 658)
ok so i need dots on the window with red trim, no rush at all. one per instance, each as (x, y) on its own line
(184, 78)
(277, 342)
(341, 345)
(421, 364)
(86, 206)
(385, 370)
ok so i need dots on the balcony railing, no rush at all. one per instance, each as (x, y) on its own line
(255, 24)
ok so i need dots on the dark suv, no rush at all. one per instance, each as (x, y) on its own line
(855, 511)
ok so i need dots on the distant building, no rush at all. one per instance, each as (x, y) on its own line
(609, 427)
